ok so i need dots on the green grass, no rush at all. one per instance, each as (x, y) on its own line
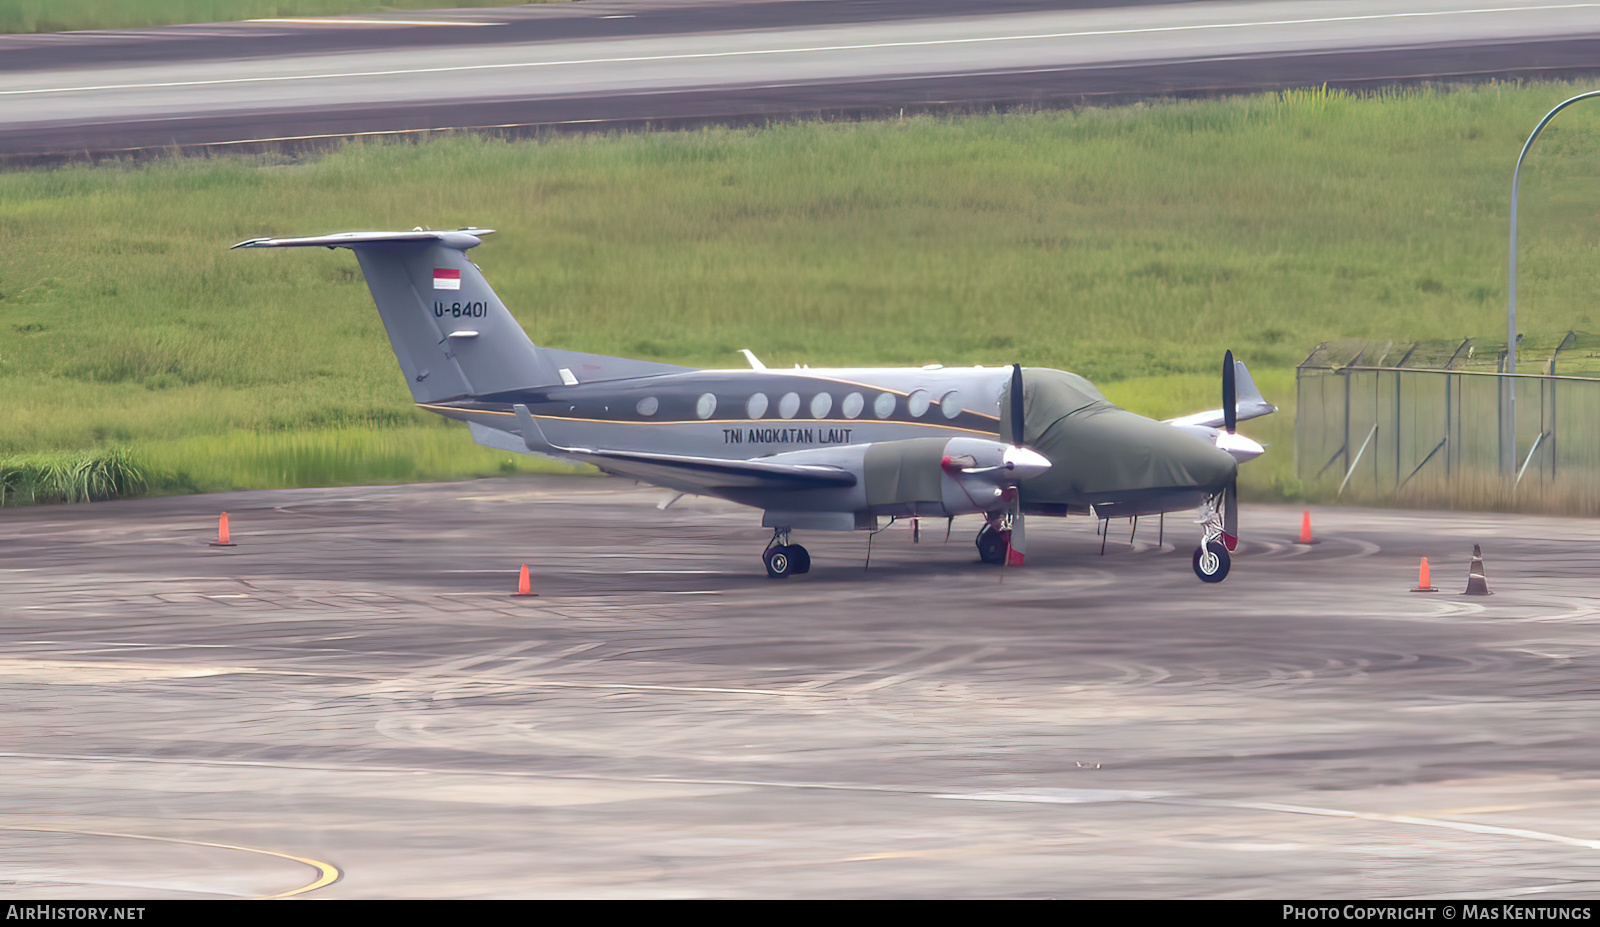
(77, 476)
(330, 457)
(64, 15)
(1132, 245)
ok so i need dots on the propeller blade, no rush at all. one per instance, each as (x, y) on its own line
(1230, 395)
(1230, 514)
(1024, 462)
(1016, 405)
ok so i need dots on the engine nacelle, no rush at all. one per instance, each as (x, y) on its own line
(941, 477)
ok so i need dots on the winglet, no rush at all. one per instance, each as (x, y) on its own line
(1248, 402)
(755, 362)
(1249, 394)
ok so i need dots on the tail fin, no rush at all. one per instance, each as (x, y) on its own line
(450, 332)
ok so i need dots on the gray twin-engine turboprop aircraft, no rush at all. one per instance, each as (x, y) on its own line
(815, 449)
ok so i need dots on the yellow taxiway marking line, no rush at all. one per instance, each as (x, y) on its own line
(815, 49)
(327, 873)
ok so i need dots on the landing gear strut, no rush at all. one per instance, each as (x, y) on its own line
(994, 539)
(1211, 558)
(783, 559)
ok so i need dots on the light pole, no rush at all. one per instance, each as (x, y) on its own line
(1508, 421)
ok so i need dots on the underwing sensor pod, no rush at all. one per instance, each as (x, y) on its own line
(814, 449)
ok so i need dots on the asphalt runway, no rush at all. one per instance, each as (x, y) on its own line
(349, 704)
(669, 63)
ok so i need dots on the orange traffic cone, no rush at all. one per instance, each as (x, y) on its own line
(1305, 528)
(1477, 582)
(222, 533)
(524, 587)
(1424, 583)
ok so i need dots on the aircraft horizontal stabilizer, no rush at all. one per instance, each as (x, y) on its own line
(461, 239)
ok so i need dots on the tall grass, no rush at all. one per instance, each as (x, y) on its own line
(63, 15)
(79, 476)
(332, 457)
(1575, 496)
(1132, 245)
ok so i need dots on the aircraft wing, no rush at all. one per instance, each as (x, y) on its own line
(1250, 404)
(710, 473)
(691, 474)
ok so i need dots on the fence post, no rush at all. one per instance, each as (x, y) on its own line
(1345, 463)
(1448, 450)
(1511, 299)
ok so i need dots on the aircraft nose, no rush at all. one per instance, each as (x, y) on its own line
(1206, 465)
(1108, 450)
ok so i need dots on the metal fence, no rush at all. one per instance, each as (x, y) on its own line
(1431, 419)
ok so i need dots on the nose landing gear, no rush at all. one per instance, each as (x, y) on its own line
(1211, 558)
(783, 559)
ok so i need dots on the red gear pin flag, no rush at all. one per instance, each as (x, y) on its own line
(446, 278)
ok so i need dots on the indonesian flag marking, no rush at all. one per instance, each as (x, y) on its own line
(445, 278)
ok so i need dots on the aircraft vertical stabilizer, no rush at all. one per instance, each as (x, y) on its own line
(451, 333)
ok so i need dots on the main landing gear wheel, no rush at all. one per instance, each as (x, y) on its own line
(992, 544)
(1211, 562)
(786, 560)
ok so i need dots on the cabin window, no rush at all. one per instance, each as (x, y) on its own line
(757, 406)
(648, 405)
(821, 404)
(705, 405)
(950, 404)
(883, 406)
(852, 405)
(789, 405)
(917, 402)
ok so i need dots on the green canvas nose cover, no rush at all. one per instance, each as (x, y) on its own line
(1095, 447)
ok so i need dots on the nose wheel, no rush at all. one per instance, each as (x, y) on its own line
(783, 559)
(1211, 562)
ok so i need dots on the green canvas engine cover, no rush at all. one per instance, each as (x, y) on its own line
(1095, 447)
(904, 471)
